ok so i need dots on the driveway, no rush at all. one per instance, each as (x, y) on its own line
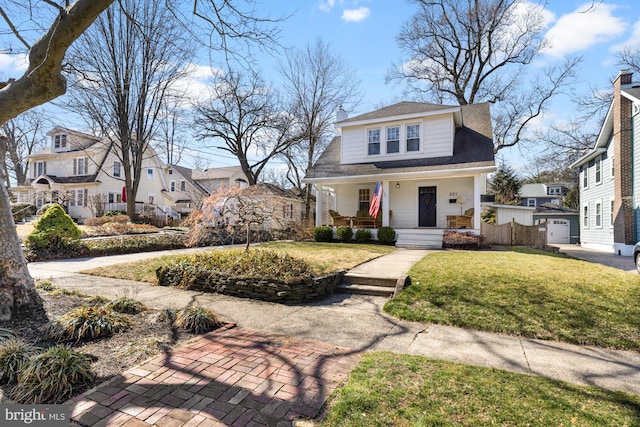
(605, 258)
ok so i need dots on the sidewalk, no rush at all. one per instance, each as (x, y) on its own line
(348, 325)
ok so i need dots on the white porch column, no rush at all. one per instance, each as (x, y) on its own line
(477, 189)
(385, 203)
(319, 203)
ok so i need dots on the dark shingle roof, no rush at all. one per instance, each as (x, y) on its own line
(73, 179)
(472, 147)
(399, 109)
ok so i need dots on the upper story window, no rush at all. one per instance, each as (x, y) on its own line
(149, 173)
(172, 186)
(39, 168)
(183, 185)
(413, 138)
(393, 140)
(598, 171)
(373, 142)
(60, 141)
(613, 169)
(585, 177)
(80, 166)
(117, 168)
(531, 202)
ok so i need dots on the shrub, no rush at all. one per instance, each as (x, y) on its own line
(195, 271)
(386, 235)
(46, 286)
(324, 233)
(126, 305)
(344, 233)
(44, 208)
(114, 213)
(6, 334)
(21, 211)
(14, 354)
(196, 319)
(53, 376)
(86, 323)
(54, 230)
(363, 235)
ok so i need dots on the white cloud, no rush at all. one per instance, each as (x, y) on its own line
(583, 28)
(326, 5)
(633, 42)
(13, 65)
(355, 15)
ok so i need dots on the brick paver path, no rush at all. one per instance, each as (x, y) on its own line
(231, 376)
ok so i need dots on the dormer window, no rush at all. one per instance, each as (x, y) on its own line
(60, 141)
(413, 138)
(373, 142)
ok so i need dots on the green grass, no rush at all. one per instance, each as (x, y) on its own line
(323, 258)
(525, 292)
(388, 389)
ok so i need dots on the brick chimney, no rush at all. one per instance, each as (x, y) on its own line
(624, 229)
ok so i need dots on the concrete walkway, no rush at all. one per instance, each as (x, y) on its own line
(605, 258)
(354, 324)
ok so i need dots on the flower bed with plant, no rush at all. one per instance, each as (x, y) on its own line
(262, 275)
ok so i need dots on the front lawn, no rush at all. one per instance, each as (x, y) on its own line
(388, 389)
(323, 258)
(525, 292)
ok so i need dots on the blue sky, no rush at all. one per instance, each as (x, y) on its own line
(363, 33)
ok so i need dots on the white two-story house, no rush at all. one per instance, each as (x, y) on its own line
(78, 166)
(610, 176)
(432, 162)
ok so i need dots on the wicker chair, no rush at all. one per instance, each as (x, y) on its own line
(364, 220)
(461, 221)
(340, 220)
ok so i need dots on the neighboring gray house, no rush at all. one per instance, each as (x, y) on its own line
(537, 194)
(431, 160)
(562, 223)
(610, 176)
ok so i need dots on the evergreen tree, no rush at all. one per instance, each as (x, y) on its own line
(505, 185)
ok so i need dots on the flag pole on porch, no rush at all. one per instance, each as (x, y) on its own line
(374, 205)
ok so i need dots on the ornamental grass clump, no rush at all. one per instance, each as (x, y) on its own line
(86, 323)
(14, 354)
(53, 376)
(196, 319)
(126, 305)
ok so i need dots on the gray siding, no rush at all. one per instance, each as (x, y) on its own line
(597, 192)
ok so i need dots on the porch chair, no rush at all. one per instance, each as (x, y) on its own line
(340, 220)
(364, 220)
(461, 221)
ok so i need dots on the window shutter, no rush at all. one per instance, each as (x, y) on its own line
(44, 168)
(75, 167)
(86, 165)
(86, 194)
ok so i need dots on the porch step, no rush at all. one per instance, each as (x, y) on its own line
(365, 285)
(419, 239)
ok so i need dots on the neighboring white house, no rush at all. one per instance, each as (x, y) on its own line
(212, 179)
(77, 166)
(610, 176)
(431, 160)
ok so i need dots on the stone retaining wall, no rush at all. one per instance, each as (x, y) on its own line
(298, 292)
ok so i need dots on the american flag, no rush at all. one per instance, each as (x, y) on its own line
(374, 205)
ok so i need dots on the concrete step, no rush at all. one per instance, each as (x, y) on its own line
(365, 290)
(350, 279)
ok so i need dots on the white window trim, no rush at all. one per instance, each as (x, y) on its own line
(598, 163)
(172, 186)
(611, 208)
(380, 141)
(183, 185)
(386, 141)
(406, 138)
(595, 213)
(585, 177)
(529, 200)
(117, 162)
(582, 216)
(84, 162)
(612, 169)
(150, 174)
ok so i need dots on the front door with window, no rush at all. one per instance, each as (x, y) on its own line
(426, 206)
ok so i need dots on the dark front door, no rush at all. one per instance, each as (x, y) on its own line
(426, 206)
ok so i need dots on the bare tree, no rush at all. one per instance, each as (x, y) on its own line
(317, 84)
(243, 114)
(472, 51)
(23, 136)
(43, 81)
(126, 66)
